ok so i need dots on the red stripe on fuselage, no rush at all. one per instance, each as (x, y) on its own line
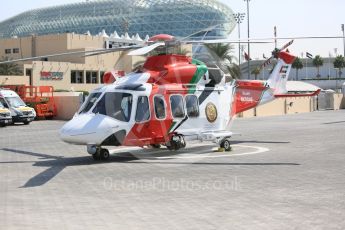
(155, 131)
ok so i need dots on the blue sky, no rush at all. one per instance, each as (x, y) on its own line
(292, 18)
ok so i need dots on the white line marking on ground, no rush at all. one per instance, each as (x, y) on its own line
(138, 152)
(191, 156)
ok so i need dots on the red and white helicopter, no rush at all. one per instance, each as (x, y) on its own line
(171, 100)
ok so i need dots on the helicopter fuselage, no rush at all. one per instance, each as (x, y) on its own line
(173, 98)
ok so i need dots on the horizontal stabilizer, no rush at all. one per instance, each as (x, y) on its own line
(299, 95)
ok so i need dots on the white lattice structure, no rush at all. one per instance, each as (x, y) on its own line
(142, 17)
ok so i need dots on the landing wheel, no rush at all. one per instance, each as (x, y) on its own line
(104, 154)
(225, 144)
(176, 142)
(101, 154)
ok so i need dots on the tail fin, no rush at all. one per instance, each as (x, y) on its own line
(250, 94)
(279, 76)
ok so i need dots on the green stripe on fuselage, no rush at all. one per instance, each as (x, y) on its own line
(172, 126)
(201, 70)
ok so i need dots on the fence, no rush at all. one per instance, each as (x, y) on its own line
(282, 106)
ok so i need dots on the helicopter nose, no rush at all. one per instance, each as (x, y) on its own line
(85, 129)
(72, 131)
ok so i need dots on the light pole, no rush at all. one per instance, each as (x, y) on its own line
(248, 38)
(342, 29)
(239, 19)
(275, 37)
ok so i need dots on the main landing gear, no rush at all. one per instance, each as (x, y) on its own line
(176, 142)
(98, 153)
(226, 145)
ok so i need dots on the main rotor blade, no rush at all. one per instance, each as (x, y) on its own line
(66, 54)
(146, 49)
(113, 50)
(302, 37)
(257, 40)
(215, 41)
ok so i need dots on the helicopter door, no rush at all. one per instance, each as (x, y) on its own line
(177, 110)
(142, 119)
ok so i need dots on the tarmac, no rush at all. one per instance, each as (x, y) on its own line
(285, 172)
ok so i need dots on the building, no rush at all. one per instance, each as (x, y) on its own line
(70, 72)
(145, 17)
(91, 25)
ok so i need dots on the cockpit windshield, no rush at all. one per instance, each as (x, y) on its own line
(116, 105)
(1, 105)
(90, 102)
(15, 102)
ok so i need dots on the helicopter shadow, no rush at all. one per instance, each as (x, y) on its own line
(56, 164)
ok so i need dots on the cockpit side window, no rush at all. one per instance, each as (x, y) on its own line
(90, 102)
(116, 105)
(143, 109)
(159, 104)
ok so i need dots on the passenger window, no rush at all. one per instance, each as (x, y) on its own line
(143, 110)
(159, 107)
(192, 106)
(177, 108)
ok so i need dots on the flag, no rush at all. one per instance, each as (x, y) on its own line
(309, 55)
(246, 56)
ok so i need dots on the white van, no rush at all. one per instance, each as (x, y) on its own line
(5, 116)
(20, 112)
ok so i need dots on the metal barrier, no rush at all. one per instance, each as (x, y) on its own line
(325, 100)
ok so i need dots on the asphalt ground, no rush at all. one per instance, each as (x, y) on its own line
(285, 172)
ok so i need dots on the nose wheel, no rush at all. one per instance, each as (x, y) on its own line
(101, 154)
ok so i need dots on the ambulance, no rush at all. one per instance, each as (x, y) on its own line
(5, 116)
(20, 112)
